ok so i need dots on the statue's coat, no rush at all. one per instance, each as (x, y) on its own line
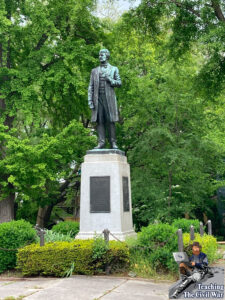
(93, 92)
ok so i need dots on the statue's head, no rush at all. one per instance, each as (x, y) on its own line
(104, 55)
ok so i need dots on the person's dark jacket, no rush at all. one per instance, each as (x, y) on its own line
(200, 260)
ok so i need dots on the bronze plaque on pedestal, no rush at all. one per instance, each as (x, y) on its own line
(126, 203)
(100, 194)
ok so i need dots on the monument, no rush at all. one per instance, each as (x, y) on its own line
(105, 201)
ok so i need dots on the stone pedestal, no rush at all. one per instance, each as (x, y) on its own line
(105, 201)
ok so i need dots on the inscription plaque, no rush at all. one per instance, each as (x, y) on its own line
(100, 194)
(126, 203)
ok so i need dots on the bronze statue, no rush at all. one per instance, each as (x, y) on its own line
(102, 99)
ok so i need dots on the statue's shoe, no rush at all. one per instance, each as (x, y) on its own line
(100, 146)
(114, 145)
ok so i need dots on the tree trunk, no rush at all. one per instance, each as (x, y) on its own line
(43, 215)
(7, 204)
(7, 209)
(76, 212)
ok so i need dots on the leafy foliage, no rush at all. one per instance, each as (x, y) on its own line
(164, 130)
(189, 23)
(171, 60)
(185, 224)
(47, 51)
(67, 227)
(36, 169)
(161, 242)
(14, 235)
(52, 236)
(57, 259)
(208, 243)
(99, 248)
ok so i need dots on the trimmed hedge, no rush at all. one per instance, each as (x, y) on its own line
(67, 227)
(185, 224)
(13, 235)
(55, 259)
(208, 243)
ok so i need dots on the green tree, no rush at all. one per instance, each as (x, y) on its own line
(164, 129)
(189, 23)
(46, 53)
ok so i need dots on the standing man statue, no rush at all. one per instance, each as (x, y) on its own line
(102, 99)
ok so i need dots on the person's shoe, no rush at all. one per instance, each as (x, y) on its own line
(183, 277)
(100, 145)
(175, 295)
(114, 145)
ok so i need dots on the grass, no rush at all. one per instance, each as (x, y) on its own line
(13, 298)
(140, 265)
(220, 252)
(51, 236)
(222, 247)
(12, 273)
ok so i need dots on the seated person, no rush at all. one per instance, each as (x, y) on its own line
(194, 270)
(198, 260)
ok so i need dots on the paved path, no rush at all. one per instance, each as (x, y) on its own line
(84, 288)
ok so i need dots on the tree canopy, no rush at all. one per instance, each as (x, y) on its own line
(171, 59)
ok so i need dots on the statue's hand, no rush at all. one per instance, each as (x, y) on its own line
(108, 78)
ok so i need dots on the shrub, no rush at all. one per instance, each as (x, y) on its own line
(185, 224)
(160, 241)
(52, 236)
(57, 259)
(117, 256)
(208, 243)
(67, 227)
(100, 248)
(13, 235)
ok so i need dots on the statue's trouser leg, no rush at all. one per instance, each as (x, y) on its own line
(100, 123)
(101, 133)
(112, 132)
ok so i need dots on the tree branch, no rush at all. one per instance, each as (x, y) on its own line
(189, 8)
(45, 67)
(218, 11)
(41, 41)
(182, 5)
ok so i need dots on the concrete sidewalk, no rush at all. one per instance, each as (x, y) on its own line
(83, 288)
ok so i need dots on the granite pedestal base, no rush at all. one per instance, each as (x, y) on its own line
(105, 201)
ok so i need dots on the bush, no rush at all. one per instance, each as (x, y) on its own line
(51, 236)
(57, 259)
(208, 243)
(13, 235)
(185, 224)
(160, 241)
(117, 256)
(67, 227)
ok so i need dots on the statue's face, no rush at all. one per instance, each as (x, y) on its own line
(102, 57)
